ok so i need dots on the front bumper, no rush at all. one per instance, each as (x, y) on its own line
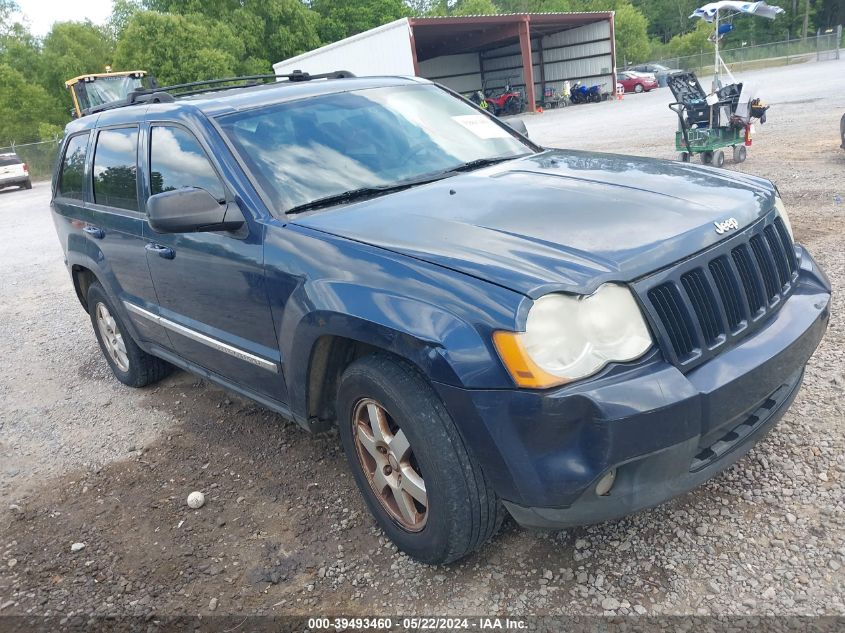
(664, 431)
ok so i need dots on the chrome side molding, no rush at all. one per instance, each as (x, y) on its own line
(199, 337)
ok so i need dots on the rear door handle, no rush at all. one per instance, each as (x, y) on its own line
(95, 231)
(161, 251)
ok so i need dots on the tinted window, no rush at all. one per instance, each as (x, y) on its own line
(178, 160)
(115, 175)
(73, 167)
(9, 159)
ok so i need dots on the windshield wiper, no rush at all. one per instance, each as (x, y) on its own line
(482, 162)
(359, 194)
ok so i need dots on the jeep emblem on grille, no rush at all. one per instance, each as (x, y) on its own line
(728, 225)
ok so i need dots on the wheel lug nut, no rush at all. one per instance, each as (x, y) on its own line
(382, 450)
(388, 470)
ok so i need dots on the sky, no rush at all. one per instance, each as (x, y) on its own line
(42, 13)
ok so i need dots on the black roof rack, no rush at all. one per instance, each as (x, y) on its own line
(166, 94)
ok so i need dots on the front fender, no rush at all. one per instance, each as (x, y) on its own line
(444, 347)
(439, 320)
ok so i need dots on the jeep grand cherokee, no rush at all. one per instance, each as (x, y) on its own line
(493, 326)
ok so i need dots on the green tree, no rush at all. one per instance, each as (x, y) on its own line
(271, 30)
(177, 48)
(475, 7)
(21, 51)
(122, 11)
(632, 43)
(667, 18)
(71, 49)
(27, 112)
(342, 18)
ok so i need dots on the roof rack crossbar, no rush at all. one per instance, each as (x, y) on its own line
(163, 94)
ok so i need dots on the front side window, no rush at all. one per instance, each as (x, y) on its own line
(177, 160)
(324, 146)
(115, 173)
(72, 177)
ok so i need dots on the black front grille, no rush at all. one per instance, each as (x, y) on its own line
(721, 294)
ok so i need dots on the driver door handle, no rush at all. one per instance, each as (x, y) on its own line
(161, 251)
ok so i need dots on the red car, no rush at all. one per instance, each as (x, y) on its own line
(636, 82)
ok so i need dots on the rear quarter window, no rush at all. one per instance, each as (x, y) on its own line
(72, 177)
(10, 159)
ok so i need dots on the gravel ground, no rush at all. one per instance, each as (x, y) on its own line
(284, 531)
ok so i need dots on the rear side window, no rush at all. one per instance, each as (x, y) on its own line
(72, 179)
(9, 159)
(177, 160)
(115, 173)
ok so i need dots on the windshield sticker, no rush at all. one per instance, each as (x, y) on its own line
(481, 126)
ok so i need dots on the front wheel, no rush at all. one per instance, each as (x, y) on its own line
(129, 363)
(638, 88)
(418, 479)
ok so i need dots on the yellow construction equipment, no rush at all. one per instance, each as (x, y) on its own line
(89, 91)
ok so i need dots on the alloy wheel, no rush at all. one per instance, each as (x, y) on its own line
(388, 462)
(112, 338)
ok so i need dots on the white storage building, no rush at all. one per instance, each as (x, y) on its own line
(474, 52)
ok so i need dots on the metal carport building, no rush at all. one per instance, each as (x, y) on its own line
(533, 50)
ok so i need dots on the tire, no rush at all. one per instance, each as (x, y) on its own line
(638, 88)
(513, 106)
(461, 511)
(134, 367)
(740, 153)
(718, 158)
(706, 158)
(684, 157)
(27, 184)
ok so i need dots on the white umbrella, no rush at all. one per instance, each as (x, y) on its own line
(727, 8)
(709, 11)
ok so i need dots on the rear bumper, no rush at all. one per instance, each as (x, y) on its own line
(663, 431)
(13, 180)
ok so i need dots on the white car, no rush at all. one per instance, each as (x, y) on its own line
(14, 172)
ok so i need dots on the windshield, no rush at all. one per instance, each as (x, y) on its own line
(324, 146)
(106, 89)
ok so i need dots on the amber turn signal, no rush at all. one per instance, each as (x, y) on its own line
(524, 371)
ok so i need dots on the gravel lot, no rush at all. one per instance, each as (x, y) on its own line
(84, 459)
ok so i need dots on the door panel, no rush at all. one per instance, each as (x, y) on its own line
(210, 286)
(108, 240)
(115, 225)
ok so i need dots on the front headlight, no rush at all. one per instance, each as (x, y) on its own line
(783, 216)
(568, 337)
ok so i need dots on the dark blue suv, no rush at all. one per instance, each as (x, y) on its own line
(491, 325)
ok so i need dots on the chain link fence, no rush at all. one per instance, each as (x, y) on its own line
(40, 157)
(821, 47)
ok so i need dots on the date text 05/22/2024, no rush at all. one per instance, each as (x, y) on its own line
(418, 623)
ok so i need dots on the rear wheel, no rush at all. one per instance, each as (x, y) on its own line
(419, 481)
(27, 184)
(706, 158)
(718, 158)
(638, 88)
(739, 153)
(684, 157)
(129, 363)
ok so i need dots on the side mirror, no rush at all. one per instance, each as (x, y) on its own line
(189, 210)
(518, 125)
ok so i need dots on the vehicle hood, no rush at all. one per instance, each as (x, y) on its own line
(558, 220)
